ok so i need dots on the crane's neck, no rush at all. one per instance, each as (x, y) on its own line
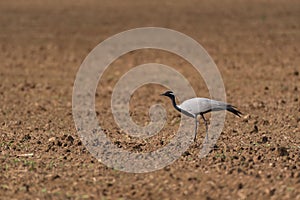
(179, 109)
(174, 103)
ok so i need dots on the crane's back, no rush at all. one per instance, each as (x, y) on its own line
(201, 105)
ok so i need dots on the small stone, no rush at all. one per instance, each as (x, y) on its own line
(256, 159)
(167, 168)
(255, 129)
(59, 143)
(186, 153)
(240, 186)
(70, 139)
(18, 122)
(282, 151)
(55, 177)
(266, 122)
(271, 192)
(52, 139)
(247, 116)
(264, 139)
(26, 137)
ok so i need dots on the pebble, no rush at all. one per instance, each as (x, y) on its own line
(52, 139)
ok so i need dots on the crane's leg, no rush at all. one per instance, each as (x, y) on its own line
(206, 126)
(195, 128)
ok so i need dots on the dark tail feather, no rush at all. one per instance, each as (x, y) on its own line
(232, 109)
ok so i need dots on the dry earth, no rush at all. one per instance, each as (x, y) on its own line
(255, 44)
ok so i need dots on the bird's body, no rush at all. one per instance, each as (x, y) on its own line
(199, 106)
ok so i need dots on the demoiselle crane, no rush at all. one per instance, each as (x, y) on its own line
(199, 106)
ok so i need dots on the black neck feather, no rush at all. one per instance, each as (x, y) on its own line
(174, 103)
(179, 109)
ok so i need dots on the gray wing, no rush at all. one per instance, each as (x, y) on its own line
(202, 105)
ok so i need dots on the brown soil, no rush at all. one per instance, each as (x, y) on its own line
(256, 47)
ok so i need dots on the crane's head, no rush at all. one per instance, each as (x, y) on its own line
(168, 94)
